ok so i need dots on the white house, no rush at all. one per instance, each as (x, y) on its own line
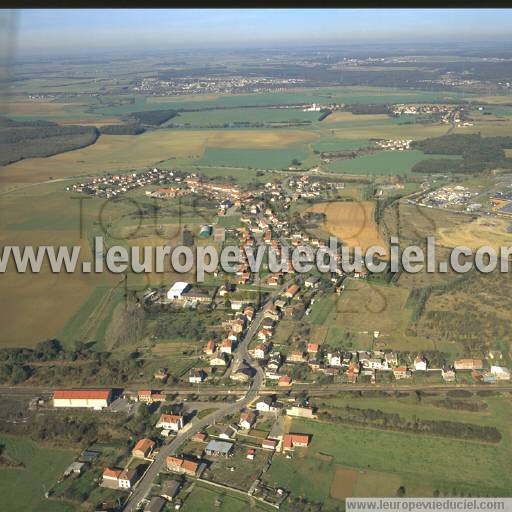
(172, 422)
(260, 352)
(420, 364)
(334, 359)
(265, 404)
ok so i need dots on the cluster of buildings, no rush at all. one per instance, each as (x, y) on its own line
(447, 113)
(395, 144)
(115, 185)
(207, 84)
(450, 196)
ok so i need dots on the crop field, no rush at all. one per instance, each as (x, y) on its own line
(390, 163)
(23, 488)
(254, 158)
(333, 144)
(352, 222)
(402, 457)
(389, 131)
(114, 152)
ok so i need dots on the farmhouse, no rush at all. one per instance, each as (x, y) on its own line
(292, 291)
(420, 364)
(143, 448)
(170, 489)
(265, 404)
(88, 398)
(269, 444)
(291, 441)
(156, 504)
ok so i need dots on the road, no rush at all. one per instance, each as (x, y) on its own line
(196, 425)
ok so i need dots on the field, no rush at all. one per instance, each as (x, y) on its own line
(391, 163)
(247, 115)
(352, 222)
(202, 497)
(375, 462)
(113, 152)
(23, 488)
(254, 158)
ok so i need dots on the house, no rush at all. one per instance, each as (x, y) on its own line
(401, 373)
(312, 348)
(500, 372)
(172, 422)
(228, 432)
(334, 359)
(247, 419)
(218, 448)
(170, 489)
(260, 351)
(312, 282)
(468, 364)
(196, 376)
(291, 441)
(251, 452)
(182, 466)
(218, 359)
(143, 448)
(284, 381)
(226, 346)
(86, 398)
(265, 404)
(249, 313)
(156, 504)
(264, 334)
(199, 437)
(296, 357)
(110, 478)
(127, 478)
(448, 374)
(269, 444)
(420, 364)
(292, 291)
(210, 348)
(148, 396)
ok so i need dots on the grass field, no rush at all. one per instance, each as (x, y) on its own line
(385, 459)
(23, 488)
(202, 497)
(244, 115)
(390, 163)
(352, 222)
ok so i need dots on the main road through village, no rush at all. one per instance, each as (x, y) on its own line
(196, 425)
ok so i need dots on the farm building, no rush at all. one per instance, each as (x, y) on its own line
(218, 448)
(177, 289)
(88, 398)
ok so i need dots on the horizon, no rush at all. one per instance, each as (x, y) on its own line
(66, 32)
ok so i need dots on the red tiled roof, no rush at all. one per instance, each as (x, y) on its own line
(111, 473)
(144, 444)
(83, 394)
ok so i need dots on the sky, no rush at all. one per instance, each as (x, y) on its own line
(54, 30)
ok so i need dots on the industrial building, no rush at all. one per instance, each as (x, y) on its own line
(96, 399)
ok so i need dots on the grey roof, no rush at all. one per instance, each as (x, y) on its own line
(170, 488)
(219, 446)
(155, 505)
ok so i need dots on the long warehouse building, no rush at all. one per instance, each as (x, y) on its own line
(88, 398)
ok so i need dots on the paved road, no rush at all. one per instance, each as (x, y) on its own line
(242, 354)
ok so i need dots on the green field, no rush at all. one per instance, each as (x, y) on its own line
(202, 497)
(23, 489)
(255, 158)
(244, 115)
(424, 463)
(382, 162)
